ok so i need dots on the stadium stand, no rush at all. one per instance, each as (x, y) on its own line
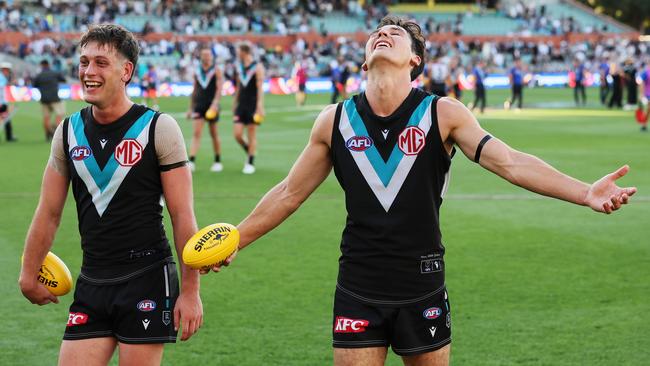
(316, 32)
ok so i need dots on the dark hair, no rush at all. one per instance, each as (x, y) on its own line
(417, 38)
(245, 47)
(115, 36)
(45, 62)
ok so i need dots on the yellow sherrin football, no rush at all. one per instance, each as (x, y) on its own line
(211, 113)
(210, 246)
(55, 275)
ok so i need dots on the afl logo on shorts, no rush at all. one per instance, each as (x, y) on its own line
(359, 143)
(411, 140)
(147, 305)
(80, 153)
(432, 313)
(128, 152)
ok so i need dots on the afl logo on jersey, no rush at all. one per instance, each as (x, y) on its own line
(411, 140)
(359, 143)
(80, 153)
(128, 152)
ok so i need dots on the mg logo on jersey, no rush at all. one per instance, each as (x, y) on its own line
(77, 319)
(147, 305)
(347, 325)
(359, 143)
(432, 313)
(411, 140)
(128, 152)
(80, 153)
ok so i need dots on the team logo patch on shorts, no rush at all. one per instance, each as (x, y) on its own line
(359, 143)
(347, 325)
(147, 305)
(432, 313)
(80, 153)
(77, 319)
(166, 317)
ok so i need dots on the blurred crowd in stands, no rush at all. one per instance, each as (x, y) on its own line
(175, 60)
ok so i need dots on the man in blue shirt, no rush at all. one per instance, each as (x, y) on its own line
(479, 87)
(603, 70)
(579, 89)
(516, 83)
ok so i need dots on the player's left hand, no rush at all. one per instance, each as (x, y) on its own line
(188, 313)
(605, 196)
(260, 110)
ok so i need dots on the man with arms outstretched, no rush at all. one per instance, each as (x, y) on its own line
(391, 149)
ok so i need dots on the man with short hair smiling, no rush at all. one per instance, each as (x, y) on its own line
(121, 160)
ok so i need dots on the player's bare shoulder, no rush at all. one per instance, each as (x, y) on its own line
(452, 114)
(322, 130)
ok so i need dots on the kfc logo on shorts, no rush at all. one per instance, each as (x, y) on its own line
(347, 325)
(432, 313)
(359, 143)
(411, 141)
(147, 305)
(128, 152)
(77, 319)
(80, 153)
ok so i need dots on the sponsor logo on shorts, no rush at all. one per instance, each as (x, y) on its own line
(128, 152)
(448, 320)
(147, 305)
(77, 319)
(411, 141)
(347, 325)
(359, 143)
(145, 324)
(432, 313)
(80, 153)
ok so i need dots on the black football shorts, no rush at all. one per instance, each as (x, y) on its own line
(410, 329)
(140, 310)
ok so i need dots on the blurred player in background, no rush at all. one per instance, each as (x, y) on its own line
(248, 102)
(516, 76)
(205, 107)
(300, 73)
(121, 159)
(6, 108)
(438, 76)
(150, 86)
(603, 74)
(47, 82)
(455, 73)
(479, 87)
(579, 88)
(629, 72)
(645, 96)
(391, 148)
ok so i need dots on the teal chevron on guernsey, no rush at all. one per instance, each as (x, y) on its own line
(103, 183)
(385, 178)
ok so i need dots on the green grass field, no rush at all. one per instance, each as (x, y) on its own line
(532, 281)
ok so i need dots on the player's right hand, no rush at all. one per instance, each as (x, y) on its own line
(225, 263)
(36, 292)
